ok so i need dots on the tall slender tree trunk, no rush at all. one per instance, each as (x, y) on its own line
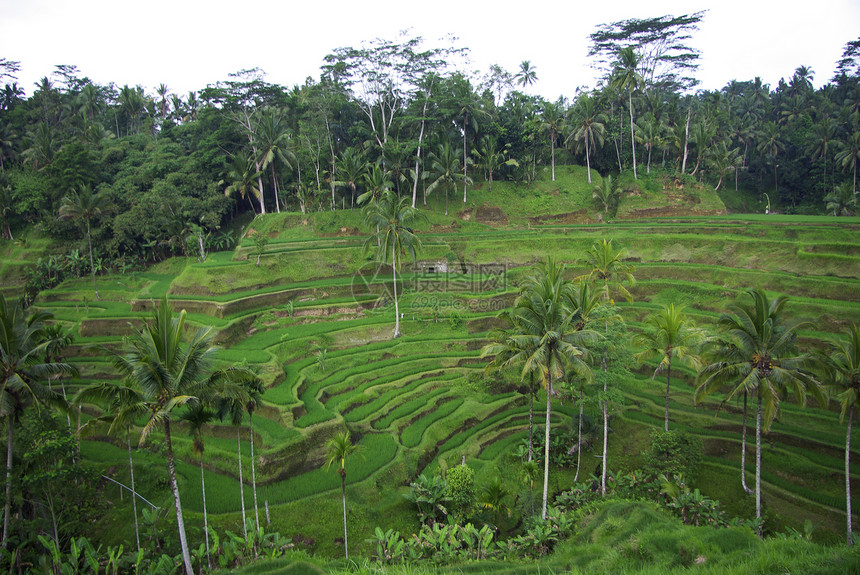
(587, 160)
(275, 187)
(133, 491)
(241, 484)
(531, 417)
(605, 409)
(552, 155)
(546, 445)
(343, 497)
(7, 507)
(205, 514)
(668, 378)
(396, 306)
(850, 540)
(92, 264)
(418, 155)
(180, 524)
(632, 138)
(758, 466)
(686, 139)
(465, 165)
(579, 439)
(747, 490)
(253, 473)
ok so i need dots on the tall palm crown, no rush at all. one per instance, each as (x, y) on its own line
(338, 448)
(626, 77)
(445, 171)
(760, 359)
(587, 127)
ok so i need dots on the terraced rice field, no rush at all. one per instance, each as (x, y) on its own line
(424, 400)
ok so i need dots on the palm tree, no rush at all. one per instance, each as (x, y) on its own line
(606, 193)
(723, 159)
(393, 217)
(553, 124)
(445, 171)
(238, 393)
(649, 133)
(85, 205)
(197, 416)
(545, 327)
(338, 448)
(272, 142)
(490, 157)
(771, 145)
(242, 178)
(168, 373)
(587, 127)
(849, 155)
(843, 379)
(607, 266)
(760, 359)
(527, 74)
(626, 76)
(22, 369)
(842, 200)
(350, 170)
(672, 336)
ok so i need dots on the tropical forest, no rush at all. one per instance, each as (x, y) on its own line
(408, 318)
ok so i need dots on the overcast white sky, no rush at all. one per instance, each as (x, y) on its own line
(187, 44)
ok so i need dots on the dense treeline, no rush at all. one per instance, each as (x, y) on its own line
(169, 172)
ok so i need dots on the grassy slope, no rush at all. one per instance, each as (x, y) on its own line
(279, 316)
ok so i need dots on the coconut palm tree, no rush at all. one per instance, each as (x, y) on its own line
(761, 360)
(527, 74)
(197, 416)
(587, 127)
(239, 393)
(606, 265)
(273, 146)
(338, 448)
(546, 329)
(552, 121)
(168, 373)
(626, 77)
(842, 200)
(22, 370)
(672, 336)
(393, 218)
(445, 171)
(85, 206)
(243, 179)
(849, 155)
(842, 377)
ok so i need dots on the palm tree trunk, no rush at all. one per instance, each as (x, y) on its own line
(632, 138)
(552, 155)
(686, 139)
(241, 484)
(205, 515)
(531, 417)
(747, 490)
(668, 374)
(587, 160)
(180, 524)
(254, 474)
(275, 187)
(343, 496)
(92, 265)
(418, 155)
(133, 492)
(546, 445)
(848, 475)
(7, 507)
(758, 466)
(465, 165)
(579, 439)
(603, 406)
(396, 306)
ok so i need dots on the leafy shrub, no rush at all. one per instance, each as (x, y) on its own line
(674, 454)
(461, 489)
